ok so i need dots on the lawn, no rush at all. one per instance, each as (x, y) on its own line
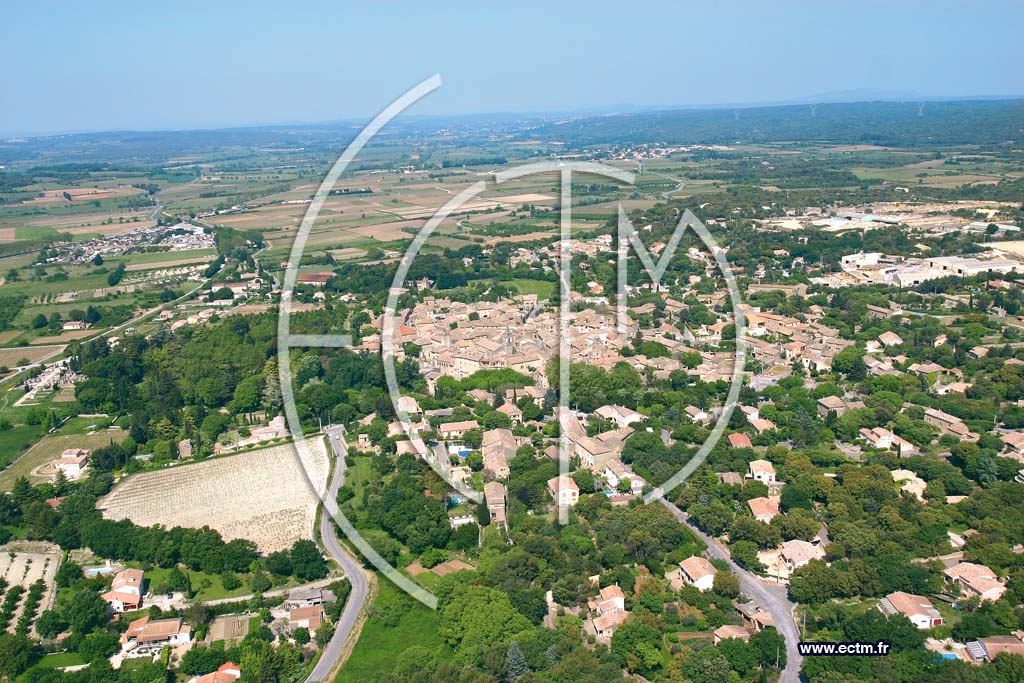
(542, 288)
(51, 661)
(15, 440)
(356, 477)
(71, 435)
(381, 646)
(209, 586)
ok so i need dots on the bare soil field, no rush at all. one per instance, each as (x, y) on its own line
(260, 495)
(169, 264)
(1015, 247)
(347, 253)
(231, 629)
(70, 335)
(389, 232)
(33, 354)
(8, 335)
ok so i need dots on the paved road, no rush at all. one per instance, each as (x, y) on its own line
(771, 598)
(332, 651)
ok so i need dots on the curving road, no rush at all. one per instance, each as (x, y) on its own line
(332, 651)
(772, 598)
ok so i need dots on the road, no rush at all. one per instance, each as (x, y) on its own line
(771, 598)
(332, 651)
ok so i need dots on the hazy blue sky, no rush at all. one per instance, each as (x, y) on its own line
(106, 66)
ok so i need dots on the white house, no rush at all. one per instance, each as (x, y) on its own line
(761, 470)
(620, 415)
(564, 490)
(917, 608)
(125, 592)
(73, 462)
(145, 637)
(693, 571)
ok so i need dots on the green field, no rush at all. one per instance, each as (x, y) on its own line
(14, 441)
(209, 586)
(59, 659)
(380, 647)
(542, 288)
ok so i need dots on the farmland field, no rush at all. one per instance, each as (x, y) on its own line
(261, 495)
(22, 564)
(12, 357)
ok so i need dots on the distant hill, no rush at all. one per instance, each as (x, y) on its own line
(890, 124)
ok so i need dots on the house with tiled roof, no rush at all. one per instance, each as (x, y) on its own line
(882, 438)
(309, 618)
(693, 571)
(730, 631)
(145, 637)
(796, 553)
(831, 404)
(761, 470)
(125, 594)
(986, 649)
(564, 491)
(763, 509)
(228, 672)
(975, 580)
(494, 498)
(607, 612)
(737, 440)
(917, 608)
(453, 431)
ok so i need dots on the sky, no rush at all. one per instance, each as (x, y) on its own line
(153, 66)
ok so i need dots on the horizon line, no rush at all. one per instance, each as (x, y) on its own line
(585, 112)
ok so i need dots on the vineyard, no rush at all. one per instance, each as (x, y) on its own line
(261, 495)
(26, 586)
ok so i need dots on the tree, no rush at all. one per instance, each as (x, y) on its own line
(259, 582)
(279, 563)
(726, 584)
(770, 647)
(477, 617)
(230, 581)
(629, 636)
(16, 654)
(706, 666)
(301, 635)
(98, 645)
(584, 478)
(483, 514)
(307, 562)
(84, 611)
(49, 624)
(516, 663)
